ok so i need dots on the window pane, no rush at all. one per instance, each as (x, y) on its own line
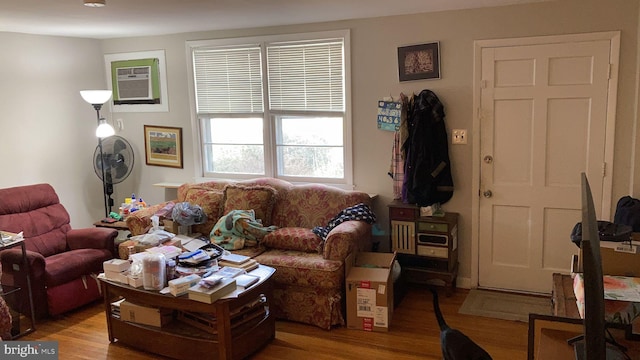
(235, 159)
(234, 145)
(310, 131)
(323, 162)
(236, 130)
(310, 146)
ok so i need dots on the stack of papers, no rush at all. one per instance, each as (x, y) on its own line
(169, 251)
(190, 243)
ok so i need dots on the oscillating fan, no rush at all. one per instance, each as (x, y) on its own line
(118, 163)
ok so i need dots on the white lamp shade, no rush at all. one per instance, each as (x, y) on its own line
(96, 96)
(104, 130)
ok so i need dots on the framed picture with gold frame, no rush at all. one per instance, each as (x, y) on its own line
(418, 62)
(163, 146)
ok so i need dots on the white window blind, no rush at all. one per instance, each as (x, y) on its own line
(228, 80)
(274, 106)
(306, 76)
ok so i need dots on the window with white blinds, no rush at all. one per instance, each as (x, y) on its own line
(274, 106)
(306, 76)
(228, 80)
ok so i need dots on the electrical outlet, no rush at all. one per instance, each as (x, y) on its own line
(459, 136)
(120, 124)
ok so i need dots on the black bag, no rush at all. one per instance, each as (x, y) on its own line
(608, 231)
(628, 212)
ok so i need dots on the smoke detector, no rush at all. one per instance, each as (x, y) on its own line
(95, 3)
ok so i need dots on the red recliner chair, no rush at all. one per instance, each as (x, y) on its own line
(63, 262)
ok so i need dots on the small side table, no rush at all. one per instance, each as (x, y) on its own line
(123, 231)
(427, 246)
(118, 225)
(9, 290)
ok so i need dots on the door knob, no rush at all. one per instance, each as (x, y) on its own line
(487, 193)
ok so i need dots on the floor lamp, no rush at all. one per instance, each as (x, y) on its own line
(97, 98)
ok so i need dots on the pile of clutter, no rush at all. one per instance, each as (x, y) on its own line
(131, 205)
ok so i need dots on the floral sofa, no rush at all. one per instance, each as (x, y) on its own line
(309, 278)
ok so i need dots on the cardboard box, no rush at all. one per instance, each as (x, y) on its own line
(180, 285)
(144, 315)
(123, 248)
(136, 282)
(618, 258)
(173, 227)
(116, 265)
(119, 276)
(369, 291)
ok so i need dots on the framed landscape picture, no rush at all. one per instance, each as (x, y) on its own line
(163, 146)
(417, 62)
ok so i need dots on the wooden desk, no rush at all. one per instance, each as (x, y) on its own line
(548, 337)
(552, 344)
(563, 298)
(564, 304)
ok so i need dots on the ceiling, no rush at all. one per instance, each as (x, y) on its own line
(126, 18)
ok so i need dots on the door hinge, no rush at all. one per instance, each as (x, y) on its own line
(610, 71)
(484, 84)
(604, 169)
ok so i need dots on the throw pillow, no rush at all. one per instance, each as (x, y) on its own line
(293, 238)
(260, 199)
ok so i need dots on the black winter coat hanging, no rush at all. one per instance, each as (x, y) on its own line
(427, 168)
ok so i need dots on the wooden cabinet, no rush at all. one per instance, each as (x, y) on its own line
(427, 246)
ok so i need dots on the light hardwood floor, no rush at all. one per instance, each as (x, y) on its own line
(413, 335)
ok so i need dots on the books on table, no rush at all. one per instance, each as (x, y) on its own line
(243, 279)
(209, 295)
(228, 271)
(235, 258)
(247, 265)
(246, 280)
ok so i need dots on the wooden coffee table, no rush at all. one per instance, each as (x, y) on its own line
(230, 328)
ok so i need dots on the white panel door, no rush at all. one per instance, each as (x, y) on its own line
(543, 122)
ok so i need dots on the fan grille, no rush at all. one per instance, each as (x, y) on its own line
(118, 159)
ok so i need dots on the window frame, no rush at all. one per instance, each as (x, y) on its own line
(269, 116)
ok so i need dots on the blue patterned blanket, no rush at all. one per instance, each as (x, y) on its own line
(360, 212)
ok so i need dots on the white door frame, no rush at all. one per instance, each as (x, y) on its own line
(479, 45)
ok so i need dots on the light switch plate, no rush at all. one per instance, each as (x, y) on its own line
(459, 136)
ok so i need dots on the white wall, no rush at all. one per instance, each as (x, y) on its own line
(47, 132)
(374, 75)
